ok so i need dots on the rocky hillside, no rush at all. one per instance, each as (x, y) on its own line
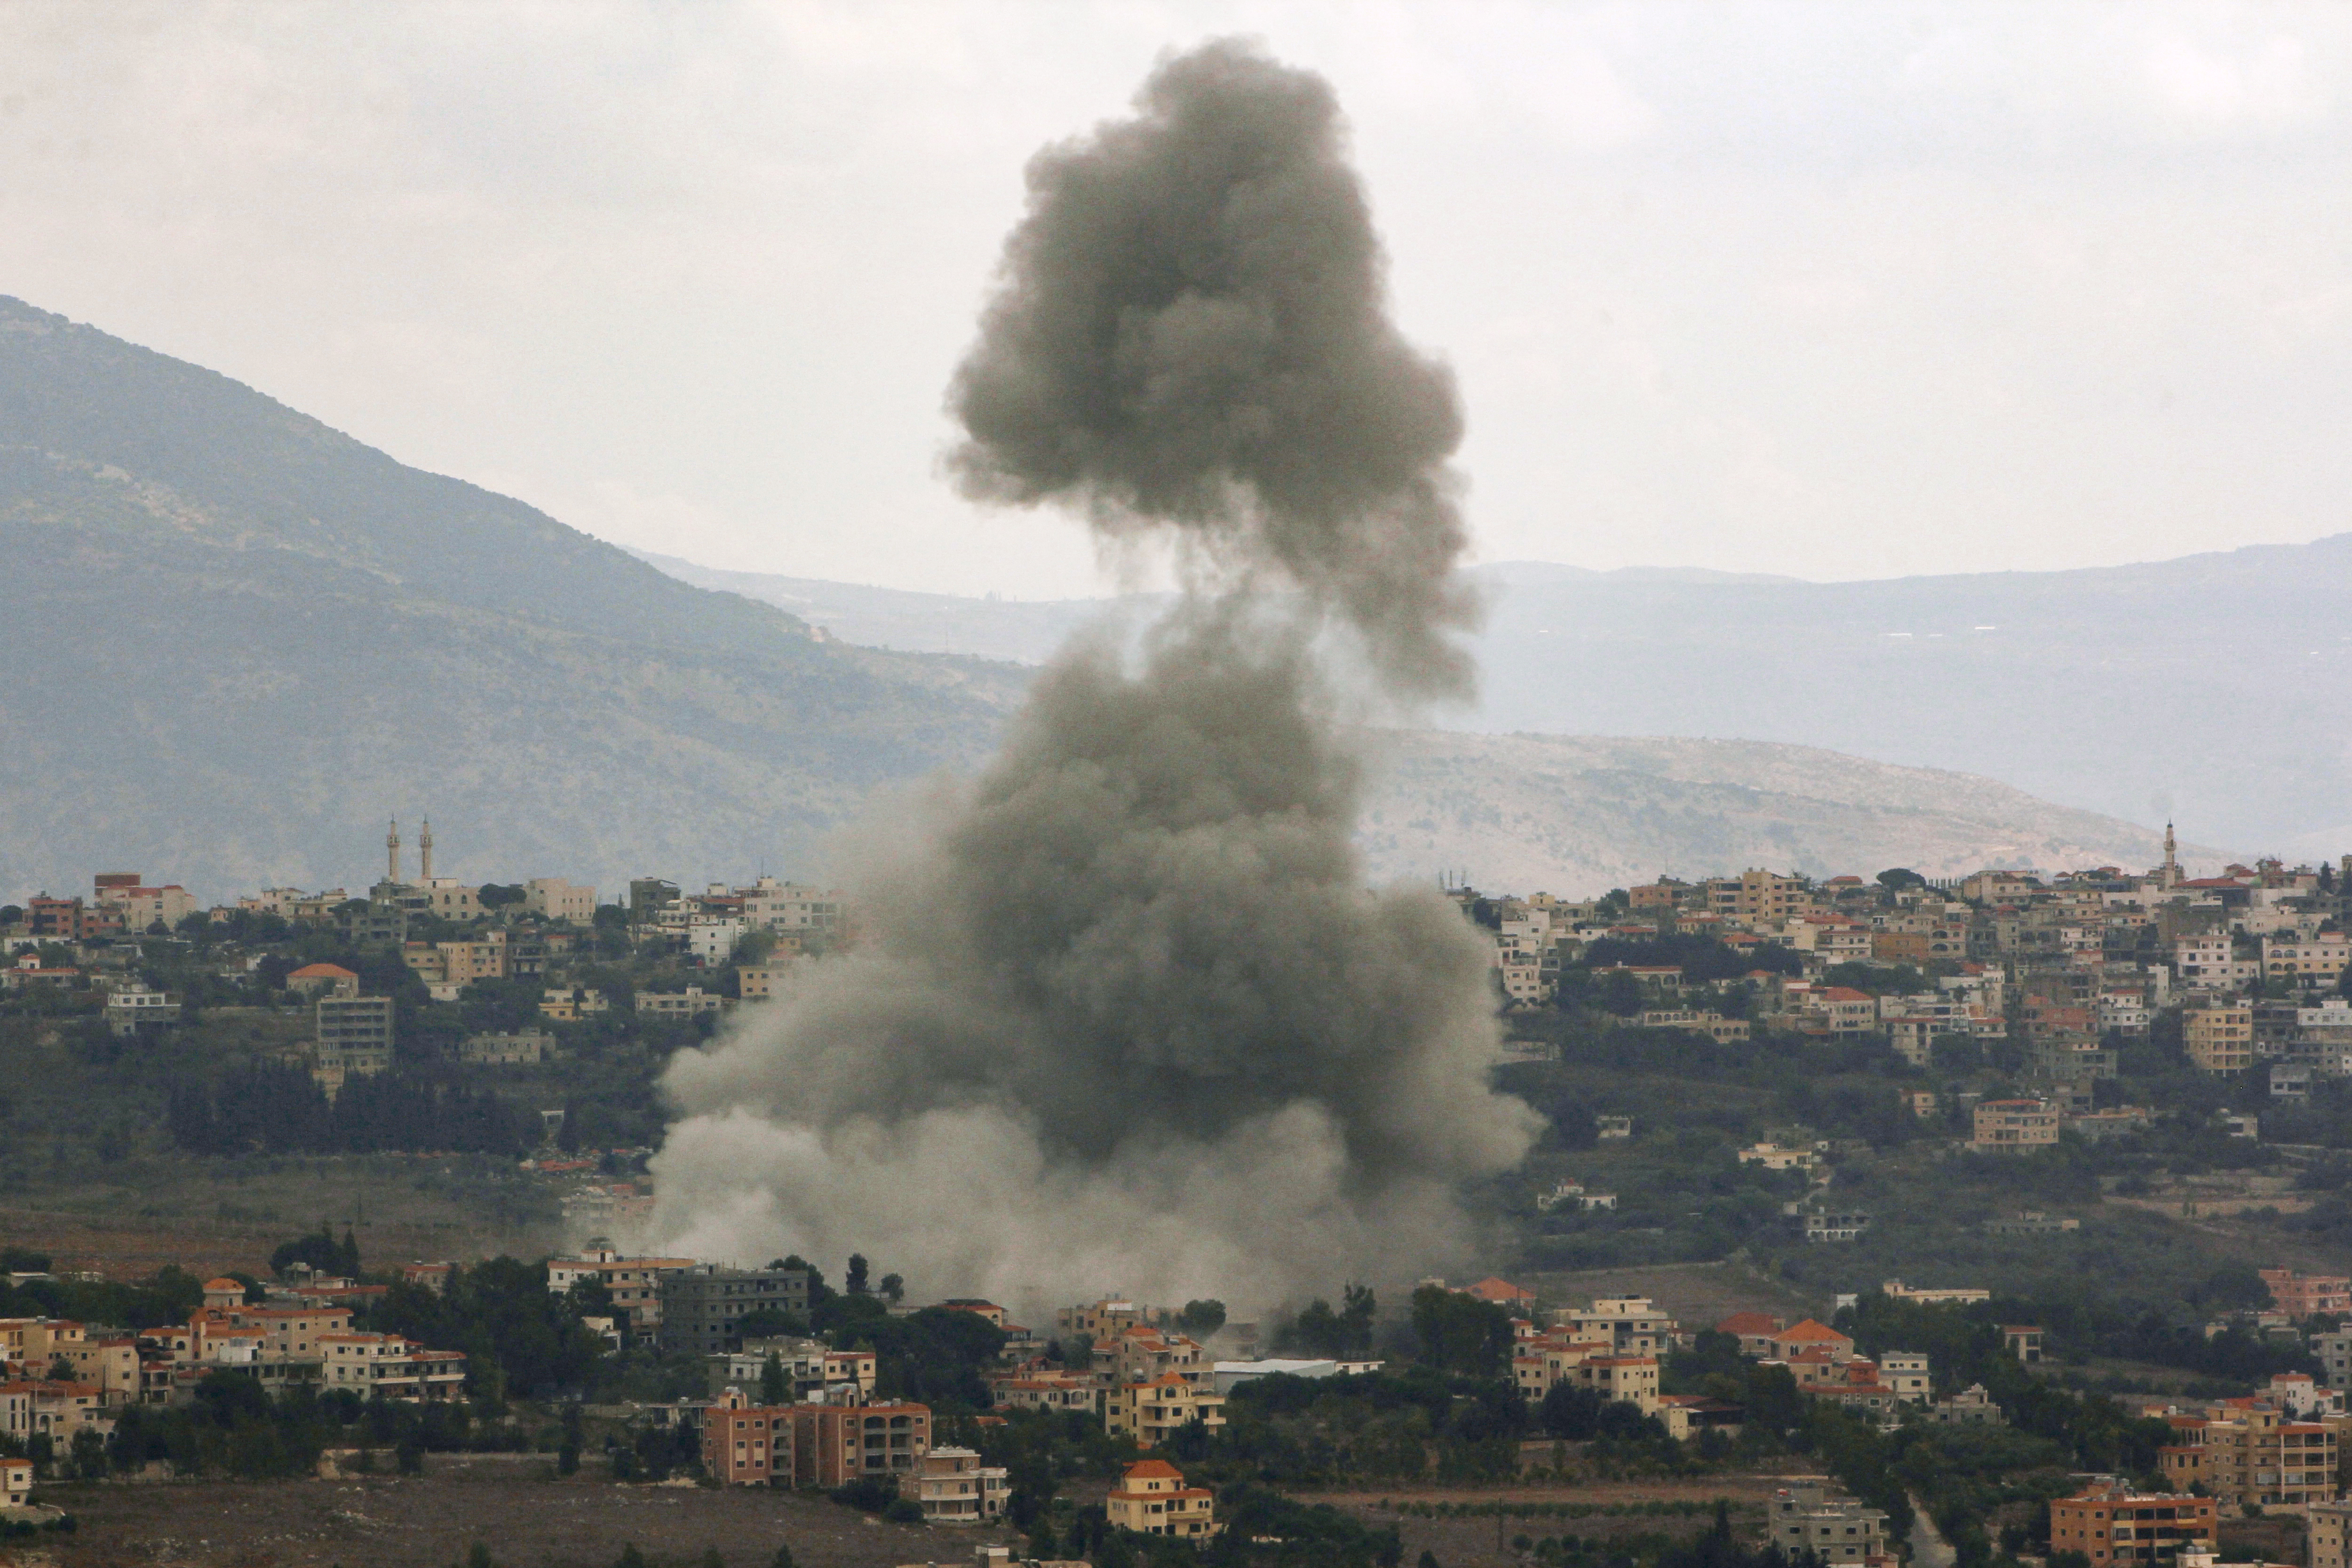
(1580, 814)
(236, 641)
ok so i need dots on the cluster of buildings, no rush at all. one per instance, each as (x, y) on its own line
(59, 1377)
(448, 933)
(1142, 1379)
(2062, 961)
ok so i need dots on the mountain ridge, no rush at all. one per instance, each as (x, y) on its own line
(239, 640)
(2200, 688)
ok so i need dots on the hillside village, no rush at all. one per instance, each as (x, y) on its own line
(1998, 1018)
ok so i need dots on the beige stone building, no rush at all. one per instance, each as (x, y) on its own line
(2008, 1125)
(953, 1486)
(1152, 1499)
(557, 899)
(1155, 1410)
(2219, 1034)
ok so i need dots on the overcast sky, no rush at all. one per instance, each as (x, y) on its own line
(1833, 290)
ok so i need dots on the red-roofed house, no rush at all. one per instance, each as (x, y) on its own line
(1499, 1292)
(1844, 1009)
(323, 980)
(1152, 1499)
(1810, 1335)
(1754, 1331)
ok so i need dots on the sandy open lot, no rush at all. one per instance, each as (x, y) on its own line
(516, 1505)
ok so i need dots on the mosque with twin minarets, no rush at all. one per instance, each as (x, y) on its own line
(447, 897)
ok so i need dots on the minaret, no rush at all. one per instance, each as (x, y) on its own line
(391, 851)
(2172, 858)
(424, 852)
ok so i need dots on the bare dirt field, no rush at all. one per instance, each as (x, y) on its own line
(1486, 1542)
(529, 1517)
(207, 1215)
(517, 1507)
(1699, 1294)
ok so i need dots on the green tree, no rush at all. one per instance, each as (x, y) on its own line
(854, 1281)
(783, 1557)
(1460, 1333)
(1202, 1318)
(773, 1389)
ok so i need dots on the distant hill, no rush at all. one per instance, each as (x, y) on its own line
(1580, 814)
(236, 641)
(1027, 631)
(2207, 690)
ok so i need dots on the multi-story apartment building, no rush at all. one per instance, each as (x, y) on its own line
(1139, 1352)
(354, 1038)
(392, 1367)
(2005, 1125)
(557, 899)
(1155, 1409)
(2327, 1534)
(2108, 1522)
(633, 1283)
(685, 1003)
(1759, 898)
(1628, 1325)
(700, 1306)
(2244, 1451)
(1812, 1517)
(770, 905)
(2219, 1034)
(747, 1444)
(814, 1371)
(2211, 958)
(2313, 960)
(2302, 1296)
(953, 1486)
(1046, 1388)
(2334, 1353)
(833, 1443)
(1632, 1379)
(1152, 1499)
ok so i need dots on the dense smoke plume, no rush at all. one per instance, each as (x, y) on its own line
(1123, 1014)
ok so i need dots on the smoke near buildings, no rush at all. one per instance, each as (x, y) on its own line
(1124, 1013)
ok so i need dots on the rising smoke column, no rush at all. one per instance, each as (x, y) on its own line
(1124, 1014)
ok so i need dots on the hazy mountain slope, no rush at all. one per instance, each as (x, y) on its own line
(236, 641)
(1580, 814)
(1026, 630)
(2208, 688)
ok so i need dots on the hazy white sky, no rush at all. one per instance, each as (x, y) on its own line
(1837, 290)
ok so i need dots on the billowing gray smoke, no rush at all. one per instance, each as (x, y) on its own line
(1123, 1014)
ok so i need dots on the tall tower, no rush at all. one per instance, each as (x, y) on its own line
(424, 852)
(2172, 858)
(391, 851)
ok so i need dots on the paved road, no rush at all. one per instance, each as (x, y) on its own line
(1928, 1547)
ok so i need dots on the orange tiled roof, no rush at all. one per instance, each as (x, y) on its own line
(1813, 1332)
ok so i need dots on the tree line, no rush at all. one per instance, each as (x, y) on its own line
(277, 1109)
